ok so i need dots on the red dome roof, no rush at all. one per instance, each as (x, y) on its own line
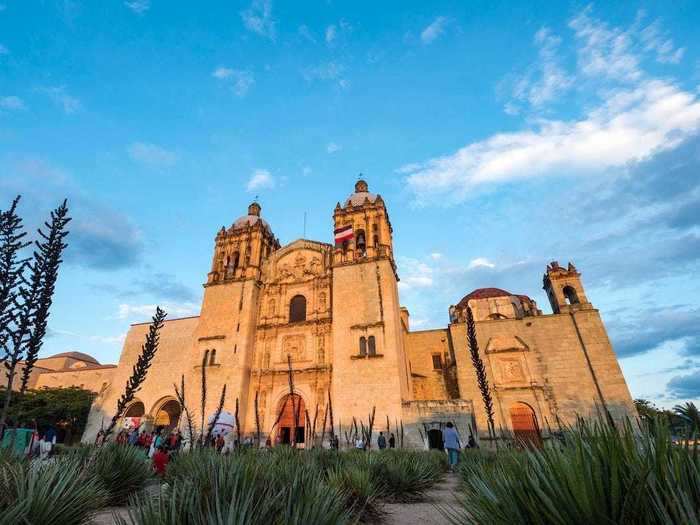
(482, 293)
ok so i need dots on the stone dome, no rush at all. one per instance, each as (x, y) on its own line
(77, 355)
(482, 293)
(360, 194)
(252, 218)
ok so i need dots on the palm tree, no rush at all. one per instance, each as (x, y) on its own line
(689, 413)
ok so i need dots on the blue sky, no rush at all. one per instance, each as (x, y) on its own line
(502, 135)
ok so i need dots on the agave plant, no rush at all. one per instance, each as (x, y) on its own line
(122, 470)
(406, 475)
(63, 491)
(599, 475)
(358, 489)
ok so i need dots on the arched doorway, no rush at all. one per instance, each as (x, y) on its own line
(133, 415)
(525, 427)
(168, 415)
(435, 439)
(292, 422)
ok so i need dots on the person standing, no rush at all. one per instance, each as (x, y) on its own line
(359, 443)
(381, 441)
(392, 441)
(160, 461)
(451, 444)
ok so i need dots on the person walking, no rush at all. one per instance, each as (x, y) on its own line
(392, 441)
(381, 441)
(451, 444)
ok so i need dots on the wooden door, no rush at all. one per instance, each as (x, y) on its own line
(525, 427)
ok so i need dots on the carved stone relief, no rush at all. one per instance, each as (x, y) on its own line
(293, 345)
(511, 370)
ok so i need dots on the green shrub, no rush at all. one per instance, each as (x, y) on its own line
(123, 470)
(62, 491)
(407, 475)
(276, 487)
(598, 474)
(359, 490)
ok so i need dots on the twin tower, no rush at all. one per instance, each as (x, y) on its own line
(331, 309)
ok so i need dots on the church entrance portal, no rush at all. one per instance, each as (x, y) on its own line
(525, 427)
(292, 420)
(435, 439)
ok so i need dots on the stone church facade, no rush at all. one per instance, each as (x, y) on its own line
(332, 314)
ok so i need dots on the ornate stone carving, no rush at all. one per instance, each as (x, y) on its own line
(301, 270)
(511, 370)
(320, 351)
(293, 345)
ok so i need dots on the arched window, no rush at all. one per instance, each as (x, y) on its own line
(297, 309)
(375, 241)
(371, 347)
(345, 247)
(363, 345)
(361, 242)
(570, 295)
(232, 264)
(212, 357)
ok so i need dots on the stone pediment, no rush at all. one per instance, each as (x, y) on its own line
(506, 343)
(299, 261)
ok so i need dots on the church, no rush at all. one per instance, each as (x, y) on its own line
(327, 318)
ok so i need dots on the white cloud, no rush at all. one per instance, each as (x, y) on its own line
(260, 179)
(414, 274)
(547, 79)
(328, 71)
(151, 154)
(138, 6)
(222, 73)
(332, 147)
(435, 256)
(605, 51)
(305, 32)
(654, 40)
(108, 339)
(62, 99)
(258, 19)
(146, 311)
(434, 30)
(331, 33)
(480, 262)
(240, 81)
(12, 103)
(636, 118)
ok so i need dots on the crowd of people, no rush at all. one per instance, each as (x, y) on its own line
(160, 445)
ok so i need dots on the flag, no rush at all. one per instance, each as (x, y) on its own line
(343, 234)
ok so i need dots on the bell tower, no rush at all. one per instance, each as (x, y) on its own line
(225, 334)
(564, 289)
(241, 249)
(370, 366)
(366, 215)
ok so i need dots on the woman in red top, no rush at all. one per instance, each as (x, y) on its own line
(160, 461)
